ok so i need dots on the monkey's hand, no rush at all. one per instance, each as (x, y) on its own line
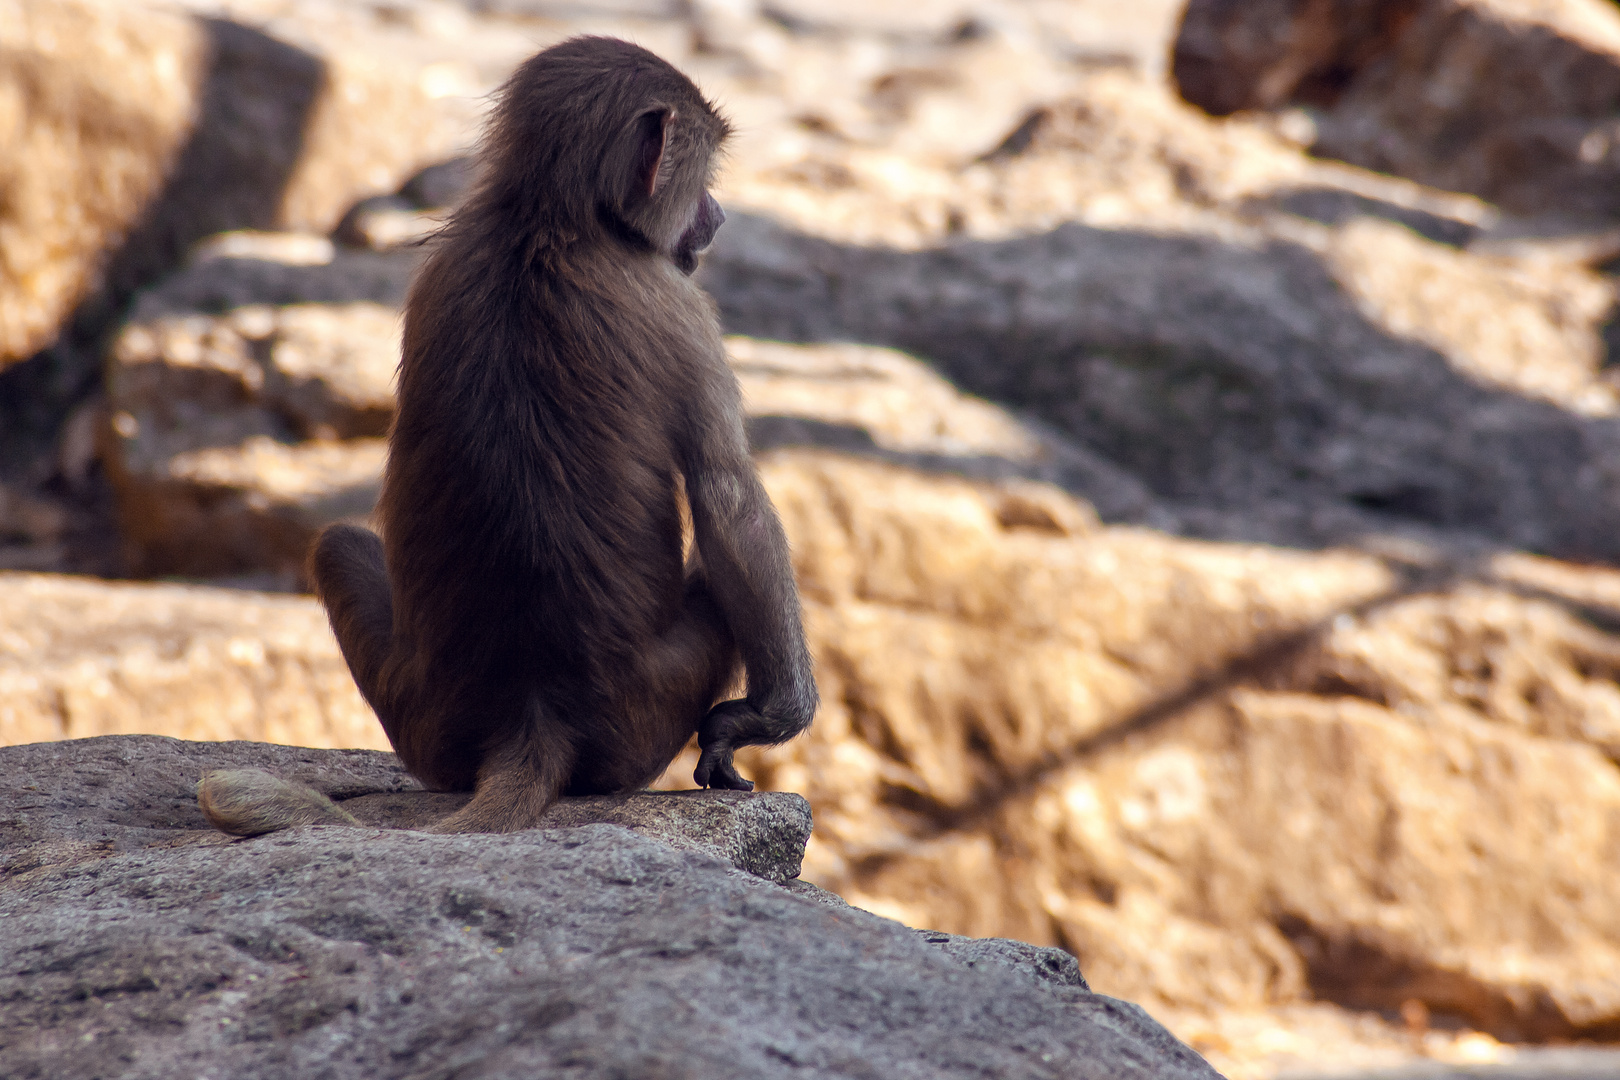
(725, 728)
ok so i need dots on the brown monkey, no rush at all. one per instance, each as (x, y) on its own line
(527, 626)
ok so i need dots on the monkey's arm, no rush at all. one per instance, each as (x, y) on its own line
(745, 560)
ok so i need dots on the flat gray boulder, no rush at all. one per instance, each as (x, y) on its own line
(139, 943)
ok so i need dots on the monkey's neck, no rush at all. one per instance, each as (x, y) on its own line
(617, 228)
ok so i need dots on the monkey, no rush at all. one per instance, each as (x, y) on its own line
(528, 625)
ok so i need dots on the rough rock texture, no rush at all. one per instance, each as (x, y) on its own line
(133, 791)
(1508, 99)
(139, 945)
(763, 833)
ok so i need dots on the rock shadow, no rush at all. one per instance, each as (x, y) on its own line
(254, 108)
(218, 285)
(1241, 385)
(1112, 492)
(1335, 206)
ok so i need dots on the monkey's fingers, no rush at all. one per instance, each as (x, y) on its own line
(716, 770)
(718, 736)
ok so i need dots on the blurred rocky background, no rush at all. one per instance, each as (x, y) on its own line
(1196, 423)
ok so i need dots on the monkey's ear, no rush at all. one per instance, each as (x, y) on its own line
(653, 133)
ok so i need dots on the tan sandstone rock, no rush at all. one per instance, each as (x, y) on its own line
(80, 657)
(95, 106)
(233, 439)
(1217, 774)
(128, 131)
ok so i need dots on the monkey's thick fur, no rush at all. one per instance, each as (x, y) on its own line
(527, 626)
(251, 802)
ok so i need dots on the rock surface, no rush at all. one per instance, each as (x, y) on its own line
(129, 792)
(140, 945)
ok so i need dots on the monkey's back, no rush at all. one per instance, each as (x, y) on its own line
(529, 509)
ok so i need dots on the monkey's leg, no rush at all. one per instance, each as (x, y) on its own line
(519, 778)
(678, 678)
(352, 584)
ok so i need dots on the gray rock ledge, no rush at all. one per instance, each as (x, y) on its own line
(123, 792)
(139, 944)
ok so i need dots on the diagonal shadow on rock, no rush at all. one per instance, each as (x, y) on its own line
(1335, 206)
(1350, 964)
(1248, 668)
(1241, 384)
(255, 107)
(1114, 494)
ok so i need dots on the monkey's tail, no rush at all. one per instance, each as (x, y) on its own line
(519, 779)
(251, 802)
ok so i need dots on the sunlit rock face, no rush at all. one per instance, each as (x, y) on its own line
(134, 131)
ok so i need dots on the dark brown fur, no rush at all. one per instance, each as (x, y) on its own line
(528, 627)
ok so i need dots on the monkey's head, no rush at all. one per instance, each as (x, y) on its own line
(597, 133)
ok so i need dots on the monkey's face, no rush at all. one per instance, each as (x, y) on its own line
(698, 234)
